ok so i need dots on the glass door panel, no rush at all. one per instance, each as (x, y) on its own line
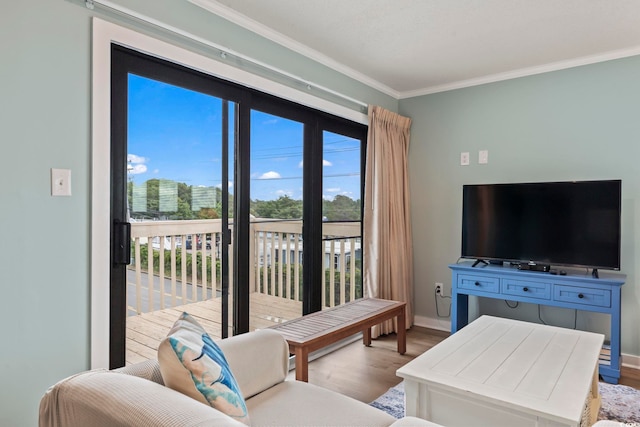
(178, 202)
(276, 199)
(341, 219)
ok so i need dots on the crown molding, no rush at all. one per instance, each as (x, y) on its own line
(291, 44)
(524, 72)
(276, 37)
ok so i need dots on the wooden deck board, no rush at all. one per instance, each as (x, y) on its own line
(145, 331)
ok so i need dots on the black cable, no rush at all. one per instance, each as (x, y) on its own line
(540, 317)
(435, 297)
(575, 318)
(515, 306)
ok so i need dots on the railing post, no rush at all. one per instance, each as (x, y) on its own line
(150, 274)
(173, 271)
(138, 277)
(254, 271)
(161, 240)
(183, 268)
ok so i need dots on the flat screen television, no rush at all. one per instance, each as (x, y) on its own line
(574, 223)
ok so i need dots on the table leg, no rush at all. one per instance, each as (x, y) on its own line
(366, 337)
(595, 401)
(459, 311)
(302, 364)
(402, 332)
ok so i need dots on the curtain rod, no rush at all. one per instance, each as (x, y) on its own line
(223, 52)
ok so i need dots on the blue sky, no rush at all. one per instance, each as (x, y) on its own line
(175, 134)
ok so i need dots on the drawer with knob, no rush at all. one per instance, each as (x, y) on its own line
(521, 288)
(582, 296)
(479, 283)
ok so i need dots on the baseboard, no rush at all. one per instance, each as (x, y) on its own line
(431, 323)
(628, 360)
(326, 350)
(631, 361)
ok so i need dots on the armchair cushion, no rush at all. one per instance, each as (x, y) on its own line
(191, 363)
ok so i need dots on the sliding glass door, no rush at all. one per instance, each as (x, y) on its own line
(171, 139)
(236, 206)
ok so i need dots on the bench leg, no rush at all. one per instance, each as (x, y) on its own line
(366, 337)
(402, 333)
(302, 364)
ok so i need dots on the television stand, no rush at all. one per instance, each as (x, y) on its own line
(576, 291)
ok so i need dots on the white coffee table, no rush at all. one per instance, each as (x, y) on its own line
(502, 372)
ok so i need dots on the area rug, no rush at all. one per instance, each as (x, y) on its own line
(619, 403)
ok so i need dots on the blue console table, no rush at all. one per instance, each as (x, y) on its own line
(574, 291)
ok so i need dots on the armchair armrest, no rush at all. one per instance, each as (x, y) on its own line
(111, 399)
(259, 360)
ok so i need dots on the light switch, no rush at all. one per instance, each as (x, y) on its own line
(464, 158)
(483, 157)
(60, 182)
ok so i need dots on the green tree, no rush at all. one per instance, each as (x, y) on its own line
(342, 208)
(283, 208)
(184, 210)
(208, 213)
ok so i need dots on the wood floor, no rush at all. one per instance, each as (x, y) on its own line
(365, 373)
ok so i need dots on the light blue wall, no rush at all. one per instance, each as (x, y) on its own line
(45, 110)
(576, 124)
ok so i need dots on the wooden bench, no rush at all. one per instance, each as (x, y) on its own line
(317, 330)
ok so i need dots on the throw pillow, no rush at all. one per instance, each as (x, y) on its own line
(191, 363)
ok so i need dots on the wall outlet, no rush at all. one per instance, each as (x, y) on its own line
(438, 288)
(60, 182)
(464, 158)
(483, 157)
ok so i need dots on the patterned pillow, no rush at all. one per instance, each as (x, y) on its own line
(191, 363)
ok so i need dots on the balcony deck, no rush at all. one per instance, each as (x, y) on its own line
(145, 331)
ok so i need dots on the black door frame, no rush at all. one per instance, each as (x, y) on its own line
(125, 61)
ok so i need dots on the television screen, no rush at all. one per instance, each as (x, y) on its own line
(555, 223)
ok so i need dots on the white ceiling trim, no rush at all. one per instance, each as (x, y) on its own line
(524, 72)
(279, 38)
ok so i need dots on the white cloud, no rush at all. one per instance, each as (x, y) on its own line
(137, 169)
(135, 159)
(333, 190)
(284, 193)
(136, 164)
(270, 175)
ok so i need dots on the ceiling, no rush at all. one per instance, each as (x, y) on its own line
(414, 47)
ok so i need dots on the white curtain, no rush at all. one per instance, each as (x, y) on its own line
(388, 249)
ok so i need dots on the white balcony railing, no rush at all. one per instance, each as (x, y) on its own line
(185, 263)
